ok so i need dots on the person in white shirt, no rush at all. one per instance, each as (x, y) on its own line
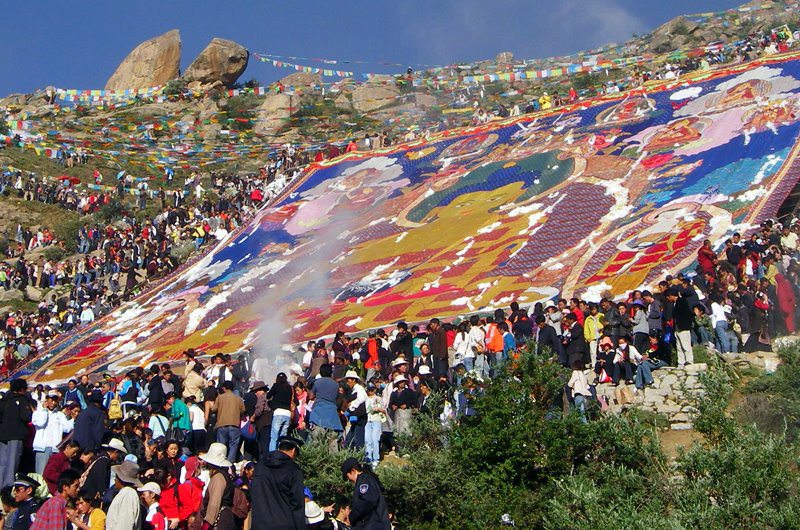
(719, 322)
(51, 425)
(87, 315)
(198, 419)
(376, 417)
(151, 493)
(477, 344)
(580, 388)
(219, 371)
(789, 241)
(461, 344)
(124, 511)
(625, 358)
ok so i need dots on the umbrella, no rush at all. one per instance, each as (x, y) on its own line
(121, 174)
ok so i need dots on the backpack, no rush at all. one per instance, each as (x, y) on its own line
(167, 386)
(241, 506)
(115, 408)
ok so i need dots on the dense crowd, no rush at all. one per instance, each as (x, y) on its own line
(752, 47)
(210, 444)
(114, 261)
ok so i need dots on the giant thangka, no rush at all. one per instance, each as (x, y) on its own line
(604, 196)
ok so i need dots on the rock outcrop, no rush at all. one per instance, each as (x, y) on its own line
(377, 93)
(504, 58)
(276, 109)
(221, 61)
(301, 80)
(668, 396)
(343, 102)
(273, 113)
(152, 63)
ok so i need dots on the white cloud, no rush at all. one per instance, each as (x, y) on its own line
(476, 29)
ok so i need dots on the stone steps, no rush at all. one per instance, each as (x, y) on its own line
(667, 396)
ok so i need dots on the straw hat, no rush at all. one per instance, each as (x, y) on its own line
(351, 374)
(115, 444)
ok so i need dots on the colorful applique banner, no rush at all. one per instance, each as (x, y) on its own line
(604, 196)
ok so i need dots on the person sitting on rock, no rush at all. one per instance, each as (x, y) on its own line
(652, 359)
(626, 359)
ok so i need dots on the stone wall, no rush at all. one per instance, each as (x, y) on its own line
(668, 396)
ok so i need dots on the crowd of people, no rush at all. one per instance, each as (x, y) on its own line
(778, 40)
(210, 444)
(114, 261)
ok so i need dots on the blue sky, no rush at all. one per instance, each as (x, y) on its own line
(78, 44)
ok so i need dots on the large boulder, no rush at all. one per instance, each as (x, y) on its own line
(34, 294)
(221, 61)
(7, 295)
(343, 102)
(301, 80)
(425, 101)
(276, 109)
(273, 113)
(379, 92)
(504, 58)
(672, 35)
(152, 63)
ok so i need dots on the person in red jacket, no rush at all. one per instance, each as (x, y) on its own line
(180, 501)
(372, 364)
(706, 258)
(58, 463)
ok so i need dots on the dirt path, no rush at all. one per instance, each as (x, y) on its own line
(672, 441)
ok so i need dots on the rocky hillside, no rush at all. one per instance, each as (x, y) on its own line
(207, 119)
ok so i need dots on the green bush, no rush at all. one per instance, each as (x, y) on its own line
(67, 231)
(527, 457)
(175, 87)
(746, 482)
(241, 111)
(54, 253)
(113, 211)
(772, 402)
